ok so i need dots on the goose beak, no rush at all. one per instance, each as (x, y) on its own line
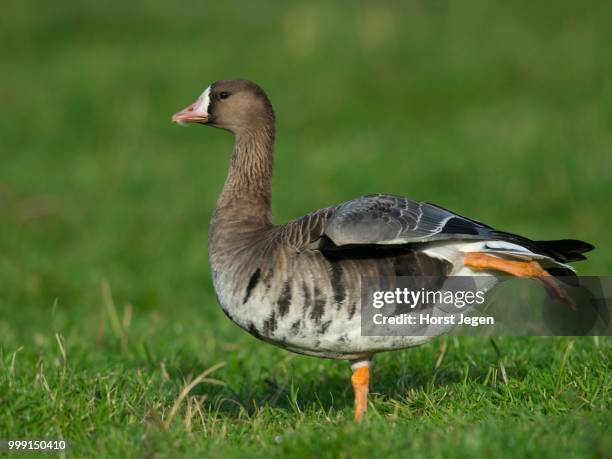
(195, 113)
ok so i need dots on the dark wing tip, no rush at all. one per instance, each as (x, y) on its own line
(568, 245)
(568, 249)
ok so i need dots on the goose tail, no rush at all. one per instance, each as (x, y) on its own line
(566, 250)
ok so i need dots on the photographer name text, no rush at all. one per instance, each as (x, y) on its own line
(428, 319)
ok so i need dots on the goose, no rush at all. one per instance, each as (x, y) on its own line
(297, 285)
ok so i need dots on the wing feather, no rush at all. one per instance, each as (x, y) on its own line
(388, 219)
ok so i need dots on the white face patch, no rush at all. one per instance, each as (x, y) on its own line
(203, 102)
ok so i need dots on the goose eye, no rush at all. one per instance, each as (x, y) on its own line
(224, 95)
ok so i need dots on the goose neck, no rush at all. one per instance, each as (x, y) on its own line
(248, 187)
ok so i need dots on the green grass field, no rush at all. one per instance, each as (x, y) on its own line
(502, 113)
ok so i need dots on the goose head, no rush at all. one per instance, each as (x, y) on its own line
(233, 105)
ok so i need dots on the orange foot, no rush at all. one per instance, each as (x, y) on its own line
(478, 260)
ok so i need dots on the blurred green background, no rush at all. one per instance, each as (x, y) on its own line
(500, 111)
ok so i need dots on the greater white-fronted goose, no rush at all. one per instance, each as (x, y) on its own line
(297, 285)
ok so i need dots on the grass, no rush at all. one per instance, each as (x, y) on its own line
(107, 312)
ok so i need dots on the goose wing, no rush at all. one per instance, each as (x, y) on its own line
(388, 220)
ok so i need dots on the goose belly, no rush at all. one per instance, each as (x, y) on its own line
(310, 303)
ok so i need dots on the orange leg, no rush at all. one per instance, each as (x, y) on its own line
(361, 383)
(477, 260)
